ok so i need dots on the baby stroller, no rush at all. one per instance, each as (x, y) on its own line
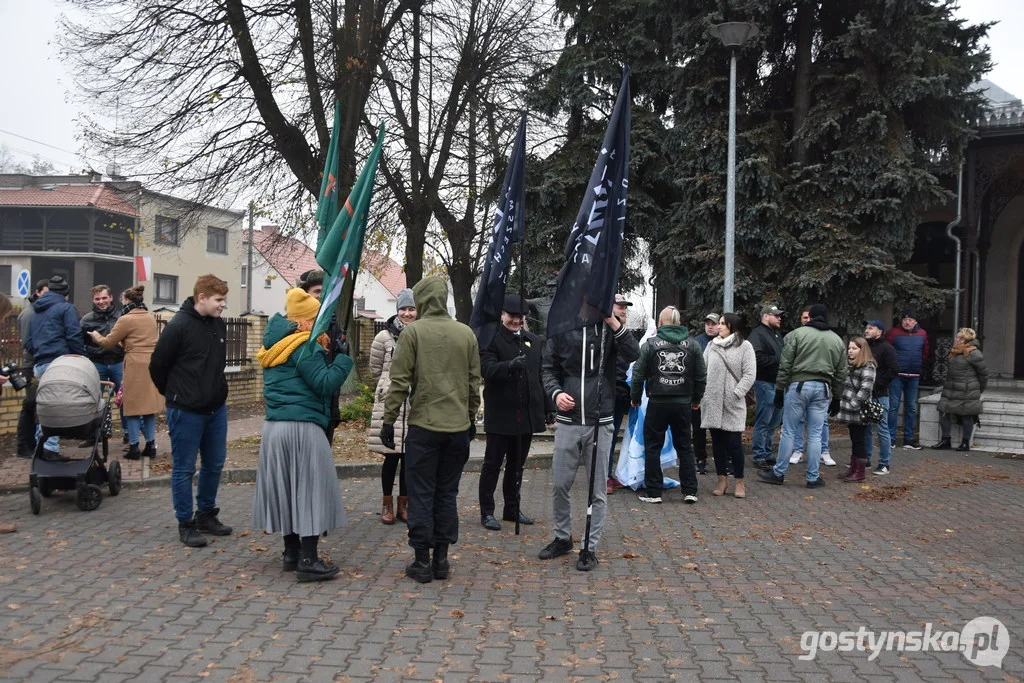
(72, 403)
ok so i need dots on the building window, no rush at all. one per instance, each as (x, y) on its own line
(166, 289)
(268, 283)
(217, 240)
(245, 276)
(167, 230)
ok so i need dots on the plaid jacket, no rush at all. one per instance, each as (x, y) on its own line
(857, 389)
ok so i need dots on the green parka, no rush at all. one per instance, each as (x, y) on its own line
(966, 378)
(300, 389)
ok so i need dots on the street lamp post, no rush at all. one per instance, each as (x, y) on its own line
(733, 35)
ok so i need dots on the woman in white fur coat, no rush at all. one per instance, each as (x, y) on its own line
(731, 372)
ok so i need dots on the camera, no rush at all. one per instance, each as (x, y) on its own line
(15, 376)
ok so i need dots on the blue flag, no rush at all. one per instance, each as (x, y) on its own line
(509, 228)
(585, 290)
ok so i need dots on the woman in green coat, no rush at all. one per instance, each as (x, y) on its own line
(297, 493)
(961, 392)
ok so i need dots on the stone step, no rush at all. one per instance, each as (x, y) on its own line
(998, 443)
(997, 407)
(991, 424)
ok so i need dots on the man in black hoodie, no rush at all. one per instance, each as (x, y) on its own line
(767, 342)
(109, 362)
(886, 368)
(187, 367)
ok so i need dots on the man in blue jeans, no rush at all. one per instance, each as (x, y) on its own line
(187, 367)
(911, 345)
(810, 382)
(767, 342)
(109, 362)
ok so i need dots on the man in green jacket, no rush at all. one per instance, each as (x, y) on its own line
(437, 366)
(810, 381)
(672, 368)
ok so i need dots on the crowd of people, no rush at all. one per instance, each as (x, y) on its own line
(428, 372)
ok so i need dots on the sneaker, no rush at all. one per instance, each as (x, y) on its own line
(881, 470)
(689, 499)
(818, 483)
(646, 496)
(826, 459)
(912, 445)
(190, 535)
(587, 561)
(769, 477)
(314, 570)
(557, 548)
(207, 522)
(796, 457)
(702, 467)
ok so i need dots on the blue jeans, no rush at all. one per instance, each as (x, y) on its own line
(884, 440)
(810, 404)
(196, 434)
(767, 419)
(798, 445)
(906, 388)
(144, 423)
(111, 373)
(52, 443)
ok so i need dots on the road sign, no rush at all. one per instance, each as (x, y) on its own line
(23, 284)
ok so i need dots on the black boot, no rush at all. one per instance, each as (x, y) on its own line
(150, 450)
(440, 564)
(190, 535)
(133, 452)
(963, 447)
(311, 566)
(420, 569)
(26, 432)
(942, 445)
(290, 556)
(207, 522)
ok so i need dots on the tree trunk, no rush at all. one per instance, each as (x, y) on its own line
(461, 275)
(802, 77)
(415, 241)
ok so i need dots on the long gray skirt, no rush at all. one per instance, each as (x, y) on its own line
(297, 489)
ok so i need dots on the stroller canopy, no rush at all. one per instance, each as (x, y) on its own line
(69, 393)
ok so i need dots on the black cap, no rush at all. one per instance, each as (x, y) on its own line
(513, 305)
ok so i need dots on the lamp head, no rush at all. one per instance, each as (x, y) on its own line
(734, 34)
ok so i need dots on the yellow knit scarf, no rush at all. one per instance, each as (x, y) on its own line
(279, 353)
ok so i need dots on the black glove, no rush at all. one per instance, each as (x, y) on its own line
(387, 436)
(833, 407)
(780, 398)
(471, 432)
(549, 418)
(341, 346)
(517, 363)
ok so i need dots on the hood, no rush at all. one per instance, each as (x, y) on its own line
(673, 333)
(392, 327)
(48, 300)
(278, 327)
(430, 295)
(189, 306)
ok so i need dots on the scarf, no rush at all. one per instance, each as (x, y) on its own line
(399, 325)
(279, 353)
(962, 349)
(727, 341)
(130, 306)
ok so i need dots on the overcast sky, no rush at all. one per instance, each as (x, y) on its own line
(34, 86)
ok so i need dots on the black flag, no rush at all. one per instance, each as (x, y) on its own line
(586, 284)
(509, 222)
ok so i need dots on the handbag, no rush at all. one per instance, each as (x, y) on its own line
(872, 412)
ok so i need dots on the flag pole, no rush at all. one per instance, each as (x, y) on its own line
(597, 432)
(524, 378)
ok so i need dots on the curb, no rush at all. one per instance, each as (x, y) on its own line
(247, 475)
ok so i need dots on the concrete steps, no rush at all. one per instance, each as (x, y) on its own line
(1002, 418)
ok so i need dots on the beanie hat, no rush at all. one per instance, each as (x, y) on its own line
(405, 300)
(59, 285)
(299, 305)
(818, 311)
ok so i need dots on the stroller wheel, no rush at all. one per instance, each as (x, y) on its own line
(35, 499)
(88, 497)
(114, 478)
(44, 488)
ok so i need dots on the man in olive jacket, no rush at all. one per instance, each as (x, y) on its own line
(438, 360)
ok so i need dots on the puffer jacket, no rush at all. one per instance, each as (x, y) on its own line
(911, 349)
(856, 392)
(381, 352)
(571, 364)
(731, 370)
(966, 378)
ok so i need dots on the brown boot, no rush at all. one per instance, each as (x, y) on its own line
(403, 508)
(741, 489)
(859, 466)
(387, 513)
(723, 484)
(849, 470)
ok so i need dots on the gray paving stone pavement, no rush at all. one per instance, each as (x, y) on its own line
(721, 590)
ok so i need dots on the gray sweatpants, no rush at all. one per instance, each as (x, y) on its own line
(574, 445)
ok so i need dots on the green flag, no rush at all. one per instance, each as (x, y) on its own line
(327, 202)
(341, 249)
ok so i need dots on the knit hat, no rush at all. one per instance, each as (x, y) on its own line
(299, 305)
(405, 300)
(59, 285)
(818, 311)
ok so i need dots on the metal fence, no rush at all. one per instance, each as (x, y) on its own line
(237, 339)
